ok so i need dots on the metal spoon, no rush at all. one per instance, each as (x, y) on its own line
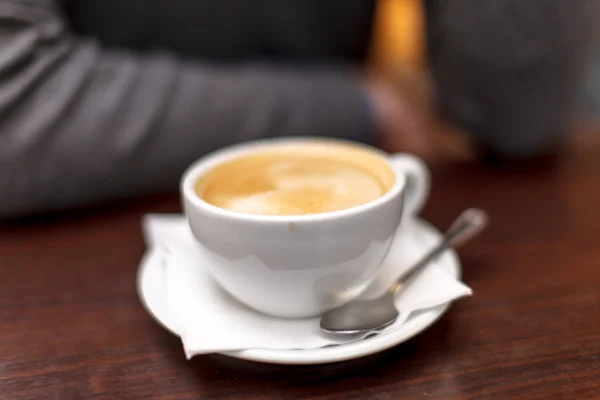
(361, 316)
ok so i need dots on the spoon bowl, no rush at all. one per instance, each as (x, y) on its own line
(361, 316)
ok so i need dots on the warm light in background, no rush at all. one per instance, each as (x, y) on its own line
(399, 36)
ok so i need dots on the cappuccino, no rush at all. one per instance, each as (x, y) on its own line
(308, 178)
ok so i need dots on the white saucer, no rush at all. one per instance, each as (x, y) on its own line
(151, 289)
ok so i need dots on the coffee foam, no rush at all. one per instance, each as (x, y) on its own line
(297, 181)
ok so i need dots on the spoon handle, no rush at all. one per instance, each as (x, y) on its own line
(468, 225)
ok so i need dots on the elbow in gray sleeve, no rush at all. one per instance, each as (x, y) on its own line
(517, 125)
(518, 142)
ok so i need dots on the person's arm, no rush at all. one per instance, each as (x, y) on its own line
(80, 124)
(509, 71)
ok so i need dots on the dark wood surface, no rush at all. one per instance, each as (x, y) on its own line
(72, 327)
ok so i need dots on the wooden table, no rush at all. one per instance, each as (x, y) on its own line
(72, 327)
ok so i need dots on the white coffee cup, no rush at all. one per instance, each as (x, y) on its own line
(300, 265)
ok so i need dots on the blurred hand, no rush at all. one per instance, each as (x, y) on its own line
(401, 123)
(405, 120)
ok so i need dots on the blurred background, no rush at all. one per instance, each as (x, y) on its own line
(112, 99)
(400, 43)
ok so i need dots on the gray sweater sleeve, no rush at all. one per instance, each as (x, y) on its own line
(80, 124)
(510, 71)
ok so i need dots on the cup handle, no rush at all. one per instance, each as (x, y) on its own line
(418, 181)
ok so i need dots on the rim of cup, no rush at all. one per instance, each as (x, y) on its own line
(204, 164)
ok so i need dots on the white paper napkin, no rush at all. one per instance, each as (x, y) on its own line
(209, 320)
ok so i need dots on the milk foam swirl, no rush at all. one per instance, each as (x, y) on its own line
(292, 184)
(298, 188)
